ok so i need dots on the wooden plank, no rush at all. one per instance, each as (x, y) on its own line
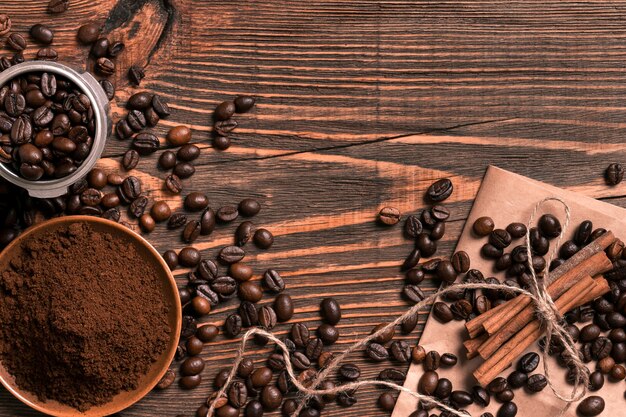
(360, 105)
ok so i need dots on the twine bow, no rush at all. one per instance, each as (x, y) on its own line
(545, 309)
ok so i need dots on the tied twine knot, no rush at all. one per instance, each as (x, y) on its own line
(546, 311)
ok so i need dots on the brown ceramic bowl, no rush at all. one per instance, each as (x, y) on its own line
(170, 294)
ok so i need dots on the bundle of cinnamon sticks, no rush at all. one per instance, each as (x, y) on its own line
(502, 334)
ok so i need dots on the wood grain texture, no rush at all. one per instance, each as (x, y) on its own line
(360, 105)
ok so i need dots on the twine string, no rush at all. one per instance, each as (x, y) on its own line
(545, 308)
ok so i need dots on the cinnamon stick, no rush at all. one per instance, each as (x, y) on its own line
(472, 345)
(501, 314)
(583, 292)
(501, 332)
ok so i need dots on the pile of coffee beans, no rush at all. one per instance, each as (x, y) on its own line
(224, 124)
(47, 125)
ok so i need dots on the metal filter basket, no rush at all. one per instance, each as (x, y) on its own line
(90, 86)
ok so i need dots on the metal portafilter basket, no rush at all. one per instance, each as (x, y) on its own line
(90, 87)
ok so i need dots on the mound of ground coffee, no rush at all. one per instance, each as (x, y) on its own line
(82, 316)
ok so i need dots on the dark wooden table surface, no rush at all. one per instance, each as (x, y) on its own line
(360, 105)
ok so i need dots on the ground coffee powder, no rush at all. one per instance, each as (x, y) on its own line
(81, 316)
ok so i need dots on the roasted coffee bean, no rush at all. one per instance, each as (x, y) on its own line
(273, 281)
(426, 245)
(283, 305)
(517, 379)
(190, 382)
(387, 401)
(440, 190)
(392, 375)
(166, 380)
(591, 406)
(250, 291)
(415, 276)
(160, 211)
(330, 310)
(192, 366)
(448, 360)
(446, 271)
(461, 309)
(189, 256)
(196, 201)
(411, 260)
(461, 398)
(499, 384)
(243, 103)
(597, 233)
(568, 249)
(5, 25)
(249, 207)
(248, 313)
(267, 317)
(224, 110)
(130, 159)
(377, 352)
(313, 347)
(413, 293)
(300, 334)
(596, 381)
(240, 271)
(136, 120)
(135, 75)
(589, 333)
(260, 377)
(412, 226)
(606, 364)
(176, 220)
(231, 254)
(224, 127)
(189, 327)
(491, 252)
(483, 226)
(300, 361)
(617, 373)
(442, 312)
(508, 409)
(179, 135)
(188, 152)
(505, 396)
(389, 216)
(237, 394)
(112, 214)
(346, 399)
(160, 106)
(191, 231)
(130, 189)
(528, 363)
(243, 233)
(221, 143)
(549, 226)
(401, 351)
(583, 233)
(500, 238)
(145, 143)
(601, 348)
(88, 33)
(432, 361)
(58, 6)
(328, 333)
(428, 383)
(480, 396)
(444, 388)
(47, 54)
(138, 206)
(232, 326)
(438, 231)
(184, 170)
(104, 66)
(536, 383)
(409, 323)
(460, 262)
(516, 230)
(427, 219)
(324, 358)
(384, 337)
(227, 214)
(225, 286)
(123, 130)
(171, 258)
(100, 47)
(263, 238)
(173, 184)
(614, 174)
(16, 41)
(115, 49)
(91, 197)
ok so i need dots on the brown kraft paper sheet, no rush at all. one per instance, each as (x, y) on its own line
(507, 197)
